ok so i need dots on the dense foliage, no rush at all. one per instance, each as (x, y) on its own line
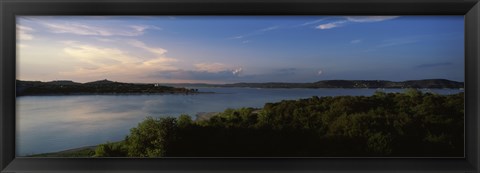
(385, 124)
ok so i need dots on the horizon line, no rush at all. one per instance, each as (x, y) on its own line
(237, 82)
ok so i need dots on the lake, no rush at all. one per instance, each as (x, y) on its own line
(56, 123)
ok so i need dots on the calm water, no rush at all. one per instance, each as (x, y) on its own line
(56, 123)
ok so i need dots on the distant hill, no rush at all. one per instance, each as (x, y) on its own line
(103, 82)
(63, 82)
(426, 83)
(65, 87)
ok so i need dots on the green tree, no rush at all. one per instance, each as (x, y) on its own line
(151, 138)
(184, 121)
(412, 92)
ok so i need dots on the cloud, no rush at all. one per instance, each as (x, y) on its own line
(85, 29)
(23, 32)
(257, 32)
(362, 19)
(354, 19)
(95, 55)
(331, 25)
(76, 28)
(93, 62)
(196, 76)
(237, 71)
(319, 72)
(431, 65)
(355, 41)
(211, 67)
(213, 71)
(96, 62)
(268, 29)
(314, 22)
(22, 45)
(154, 50)
(142, 28)
(217, 67)
(237, 37)
(397, 42)
(104, 39)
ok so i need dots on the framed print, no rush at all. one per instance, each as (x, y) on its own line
(239, 86)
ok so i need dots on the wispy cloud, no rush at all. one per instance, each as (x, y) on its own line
(155, 50)
(268, 29)
(218, 67)
(331, 25)
(142, 28)
(24, 32)
(190, 76)
(76, 28)
(237, 37)
(88, 29)
(314, 21)
(22, 45)
(395, 42)
(319, 72)
(104, 39)
(96, 62)
(95, 55)
(211, 67)
(356, 41)
(362, 19)
(257, 32)
(353, 19)
(209, 73)
(237, 71)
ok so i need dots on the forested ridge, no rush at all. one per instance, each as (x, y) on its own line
(411, 124)
(425, 83)
(66, 87)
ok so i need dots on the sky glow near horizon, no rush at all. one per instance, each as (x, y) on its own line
(230, 49)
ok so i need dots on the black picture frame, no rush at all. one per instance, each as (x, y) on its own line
(10, 8)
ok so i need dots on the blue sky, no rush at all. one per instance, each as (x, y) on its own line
(229, 49)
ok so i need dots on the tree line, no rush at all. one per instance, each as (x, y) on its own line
(97, 87)
(411, 123)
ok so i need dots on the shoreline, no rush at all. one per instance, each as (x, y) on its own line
(112, 94)
(197, 93)
(201, 116)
